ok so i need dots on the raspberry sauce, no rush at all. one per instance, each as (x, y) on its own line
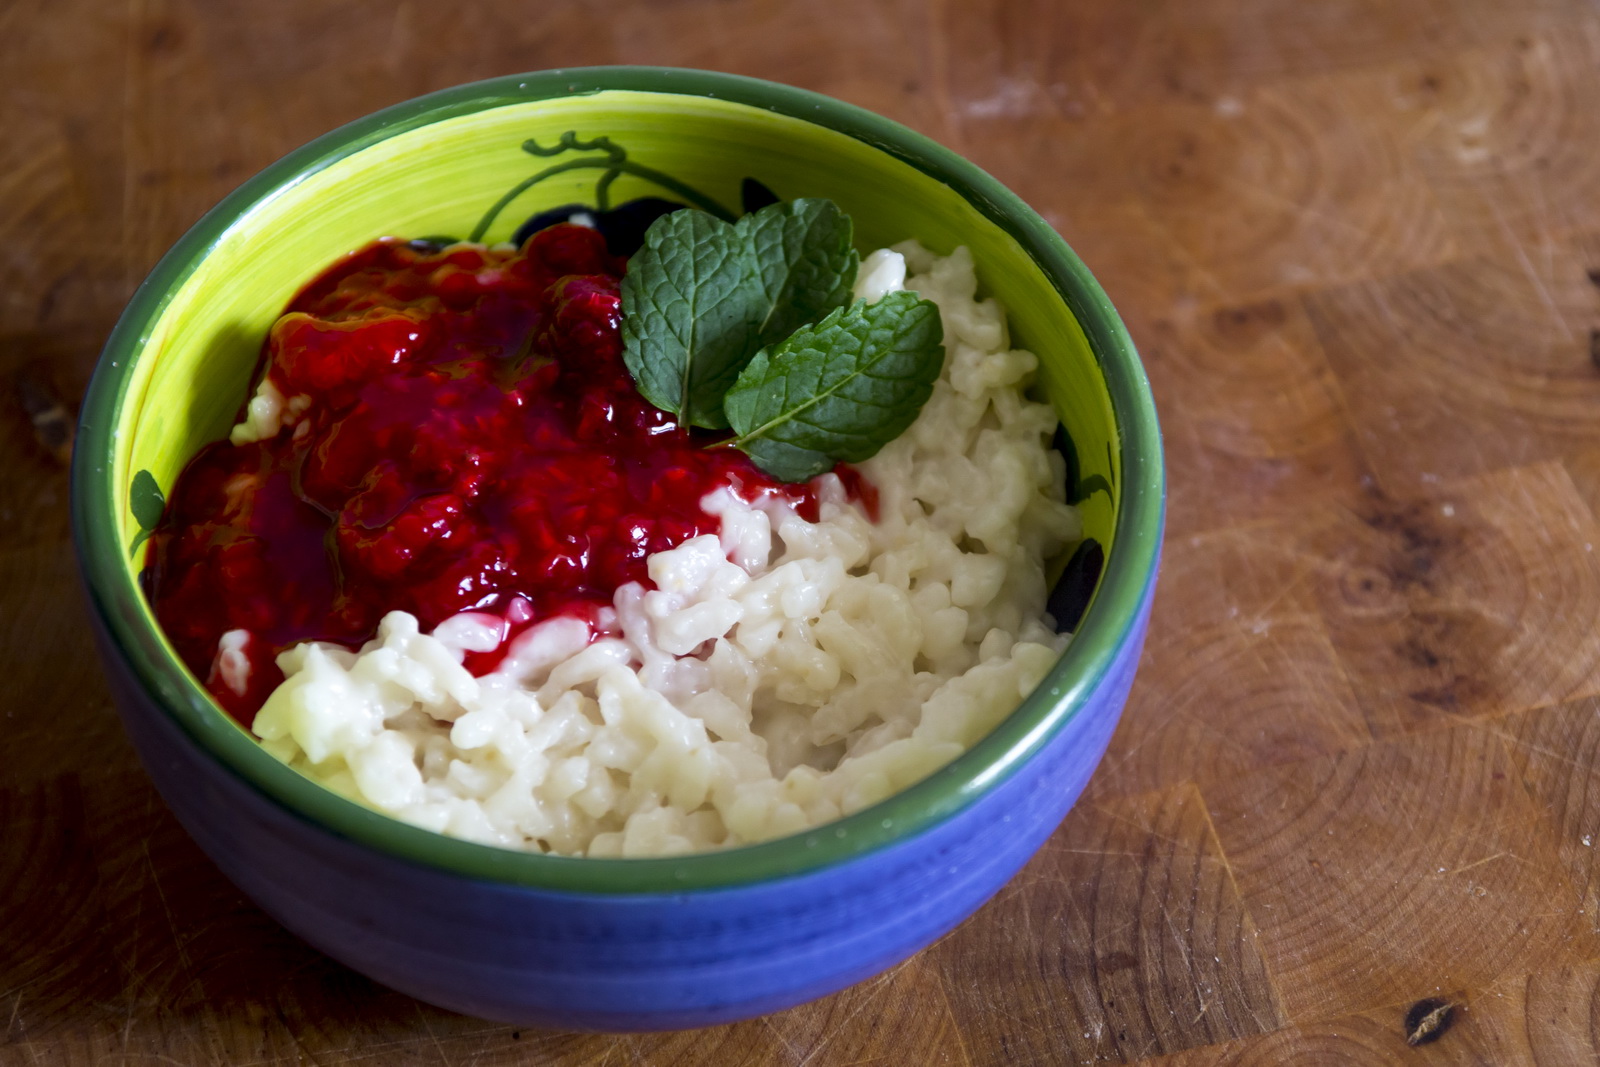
(472, 437)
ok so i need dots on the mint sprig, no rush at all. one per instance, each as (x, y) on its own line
(702, 297)
(749, 326)
(839, 390)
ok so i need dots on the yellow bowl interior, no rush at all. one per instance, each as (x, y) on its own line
(186, 386)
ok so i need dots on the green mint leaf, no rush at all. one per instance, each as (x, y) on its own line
(839, 390)
(690, 303)
(807, 260)
(701, 297)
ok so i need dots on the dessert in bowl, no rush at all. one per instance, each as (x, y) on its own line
(585, 940)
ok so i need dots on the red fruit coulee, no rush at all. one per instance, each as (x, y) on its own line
(472, 437)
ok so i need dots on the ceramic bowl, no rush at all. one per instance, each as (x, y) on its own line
(586, 943)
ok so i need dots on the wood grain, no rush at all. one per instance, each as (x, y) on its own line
(1546, 1019)
(1358, 242)
(1480, 598)
(1470, 890)
(1499, 136)
(1241, 673)
(1125, 937)
(1497, 368)
(1253, 416)
(1553, 748)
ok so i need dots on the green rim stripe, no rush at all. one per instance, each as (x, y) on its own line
(1124, 587)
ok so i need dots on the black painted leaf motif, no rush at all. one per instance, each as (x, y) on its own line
(146, 500)
(1091, 485)
(1063, 443)
(1070, 597)
(754, 196)
(432, 243)
(147, 504)
(1079, 487)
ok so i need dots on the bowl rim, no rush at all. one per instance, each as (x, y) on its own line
(1112, 621)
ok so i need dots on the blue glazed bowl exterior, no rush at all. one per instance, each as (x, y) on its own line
(657, 961)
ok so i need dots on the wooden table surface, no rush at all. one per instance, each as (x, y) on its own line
(1357, 241)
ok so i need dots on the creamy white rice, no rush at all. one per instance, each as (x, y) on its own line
(779, 676)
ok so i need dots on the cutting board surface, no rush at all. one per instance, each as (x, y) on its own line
(1354, 795)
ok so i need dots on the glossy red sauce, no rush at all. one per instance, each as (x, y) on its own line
(473, 437)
